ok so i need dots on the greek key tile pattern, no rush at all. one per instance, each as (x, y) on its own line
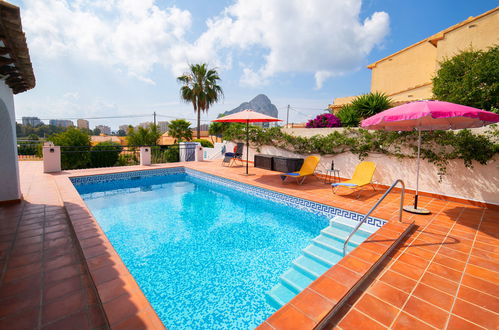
(299, 203)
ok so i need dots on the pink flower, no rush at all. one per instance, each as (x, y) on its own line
(324, 120)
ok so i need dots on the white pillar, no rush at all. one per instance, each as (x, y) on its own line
(51, 158)
(145, 156)
(199, 153)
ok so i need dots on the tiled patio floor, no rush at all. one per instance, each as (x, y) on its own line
(445, 275)
(44, 283)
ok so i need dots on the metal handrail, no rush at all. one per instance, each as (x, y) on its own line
(402, 193)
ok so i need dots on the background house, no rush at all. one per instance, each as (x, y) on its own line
(407, 74)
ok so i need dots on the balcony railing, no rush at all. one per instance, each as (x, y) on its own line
(29, 149)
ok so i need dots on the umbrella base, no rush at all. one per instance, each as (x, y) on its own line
(247, 174)
(419, 210)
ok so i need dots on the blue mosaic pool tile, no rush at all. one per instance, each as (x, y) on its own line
(125, 175)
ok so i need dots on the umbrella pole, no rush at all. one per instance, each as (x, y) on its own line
(415, 209)
(247, 146)
(417, 170)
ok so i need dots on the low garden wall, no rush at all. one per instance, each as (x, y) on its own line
(480, 183)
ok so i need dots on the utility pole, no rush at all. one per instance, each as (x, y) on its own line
(287, 117)
(154, 114)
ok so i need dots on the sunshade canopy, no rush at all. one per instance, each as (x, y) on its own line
(246, 116)
(429, 116)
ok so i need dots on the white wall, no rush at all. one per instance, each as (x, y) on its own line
(480, 183)
(9, 171)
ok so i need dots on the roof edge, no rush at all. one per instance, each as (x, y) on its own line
(15, 64)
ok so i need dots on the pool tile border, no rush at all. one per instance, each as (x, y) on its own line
(125, 305)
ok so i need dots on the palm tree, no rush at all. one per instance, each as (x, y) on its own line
(200, 88)
(179, 130)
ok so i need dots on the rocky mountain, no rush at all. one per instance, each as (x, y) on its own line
(260, 103)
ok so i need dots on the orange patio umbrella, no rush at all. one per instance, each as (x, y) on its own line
(247, 116)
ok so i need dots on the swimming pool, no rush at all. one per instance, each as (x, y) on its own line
(203, 249)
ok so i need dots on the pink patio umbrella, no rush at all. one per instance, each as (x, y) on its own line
(428, 116)
(246, 116)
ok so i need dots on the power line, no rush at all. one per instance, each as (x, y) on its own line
(179, 117)
(301, 113)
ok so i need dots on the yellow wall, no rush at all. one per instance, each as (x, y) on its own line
(339, 101)
(408, 69)
(480, 34)
(413, 94)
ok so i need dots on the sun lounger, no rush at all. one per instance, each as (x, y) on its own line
(362, 176)
(307, 169)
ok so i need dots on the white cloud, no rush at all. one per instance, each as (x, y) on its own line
(320, 37)
(132, 34)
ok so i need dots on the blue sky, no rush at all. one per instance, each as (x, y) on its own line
(95, 58)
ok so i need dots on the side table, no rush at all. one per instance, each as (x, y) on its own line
(332, 176)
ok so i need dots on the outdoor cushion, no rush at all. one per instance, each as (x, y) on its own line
(344, 184)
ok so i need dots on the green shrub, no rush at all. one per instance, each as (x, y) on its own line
(470, 78)
(27, 148)
(75, 148)
(105, 154)
(172, 154)
(127, 159)
(204, 143)
(368, 105)
(348, 116)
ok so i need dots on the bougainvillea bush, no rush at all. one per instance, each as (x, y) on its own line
(324, 120)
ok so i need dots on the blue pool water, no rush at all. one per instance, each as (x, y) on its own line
(204, 254)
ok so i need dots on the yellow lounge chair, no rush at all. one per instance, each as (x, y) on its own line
(362, 176)
(308, 168)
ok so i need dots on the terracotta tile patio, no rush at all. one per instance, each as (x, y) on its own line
(444, 275)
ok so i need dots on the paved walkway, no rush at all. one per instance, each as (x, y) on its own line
(445, 275)
(43, 283)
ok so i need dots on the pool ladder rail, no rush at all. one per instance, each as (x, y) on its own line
(389, 190)
(323, 252)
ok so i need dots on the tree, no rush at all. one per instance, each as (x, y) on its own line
(200, 87)
(121, 132)
(105, 154)
(143, 136)
(218, 128)
(33, 137)
(470, 78)
(75, 151)
(96, 131)
(179, 130)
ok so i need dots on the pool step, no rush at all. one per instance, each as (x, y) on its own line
(323, 252)
(309, 266)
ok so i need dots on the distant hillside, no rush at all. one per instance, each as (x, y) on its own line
(261, 103)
